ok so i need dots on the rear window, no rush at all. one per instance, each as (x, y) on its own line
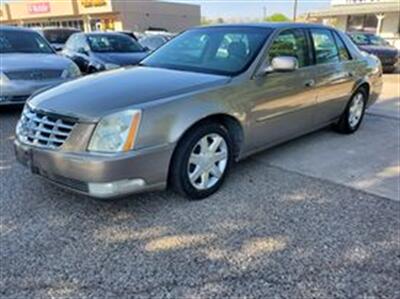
(113, 43)
(58, 36)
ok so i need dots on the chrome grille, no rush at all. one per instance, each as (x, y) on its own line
(40, 129)
(34, 75)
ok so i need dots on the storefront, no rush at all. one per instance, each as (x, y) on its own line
(91, 15)
(381, 17)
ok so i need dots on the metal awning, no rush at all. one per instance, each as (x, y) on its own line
(358, 9)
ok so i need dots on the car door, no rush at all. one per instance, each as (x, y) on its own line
(82, 53)
(334, 75)
(283, 101)
(70, 48)
(77, 50)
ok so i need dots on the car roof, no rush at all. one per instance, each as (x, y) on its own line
(269, 25)
(103, 33)
(61, 28)
(14, 28)
(360, 32)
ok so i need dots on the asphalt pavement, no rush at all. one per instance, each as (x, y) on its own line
(279, 228)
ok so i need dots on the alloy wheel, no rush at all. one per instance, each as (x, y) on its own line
(356, 110)
(208, 161)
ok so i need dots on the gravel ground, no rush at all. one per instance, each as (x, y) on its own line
(269, 233)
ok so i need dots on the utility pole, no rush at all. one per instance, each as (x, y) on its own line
(295, 11)
(264, 13)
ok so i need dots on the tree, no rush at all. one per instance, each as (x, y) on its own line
(205, 21)
(277, 17)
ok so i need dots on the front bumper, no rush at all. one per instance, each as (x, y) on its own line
(96, 175)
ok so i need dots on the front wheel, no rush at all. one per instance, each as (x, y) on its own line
(352, 117)
(201, 161)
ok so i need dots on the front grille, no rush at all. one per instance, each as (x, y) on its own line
(40, 129)
(34, 75)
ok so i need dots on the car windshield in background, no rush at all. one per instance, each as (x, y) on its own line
(368, 40)
(23, 42)
(113, 43)
(223, 51)
(58, 36)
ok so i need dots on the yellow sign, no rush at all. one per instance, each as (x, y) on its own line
(93, 3)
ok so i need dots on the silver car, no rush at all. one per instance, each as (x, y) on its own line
(28, 64)
(211, 96)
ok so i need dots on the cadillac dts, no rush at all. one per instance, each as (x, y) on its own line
(210, 97)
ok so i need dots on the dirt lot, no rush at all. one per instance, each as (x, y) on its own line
(317, 217)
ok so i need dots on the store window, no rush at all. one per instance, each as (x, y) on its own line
(366, 23)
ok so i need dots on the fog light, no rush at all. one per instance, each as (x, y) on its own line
(117, 188)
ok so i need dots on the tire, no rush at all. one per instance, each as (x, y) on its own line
(347, 124)
(191, 149)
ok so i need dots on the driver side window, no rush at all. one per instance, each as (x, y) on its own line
(291, 43)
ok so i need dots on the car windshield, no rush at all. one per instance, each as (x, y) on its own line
(224, 51)
(368, 40)
(108, 43)
(56, 36)
(23, 42)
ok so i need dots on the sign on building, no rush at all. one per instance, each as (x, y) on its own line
(38, 8)
(93, 3)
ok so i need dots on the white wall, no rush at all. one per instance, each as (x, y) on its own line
(352, 2)
(140, 15)
(390, 28)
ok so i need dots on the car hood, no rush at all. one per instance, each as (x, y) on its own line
(16, 61)
(94, 96)
(122, 59)
(380, 50)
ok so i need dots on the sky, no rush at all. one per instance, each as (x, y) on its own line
(254, 8)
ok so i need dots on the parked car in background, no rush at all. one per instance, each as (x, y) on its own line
(28, 64)
(99, 51)
(130, 34)
(376, 45)
(57, 37)
(186, 113)
(155, 41)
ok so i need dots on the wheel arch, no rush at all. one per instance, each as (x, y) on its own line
(364, 84)
(231, 123)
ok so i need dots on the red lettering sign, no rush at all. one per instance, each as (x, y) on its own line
(38, 8)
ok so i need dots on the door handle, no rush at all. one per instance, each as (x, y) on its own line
(309, 83)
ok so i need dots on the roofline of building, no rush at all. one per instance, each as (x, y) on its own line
(356, 9)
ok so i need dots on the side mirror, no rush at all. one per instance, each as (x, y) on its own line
(57, 48)
(279, 64)
(285, 64)
(82, 51)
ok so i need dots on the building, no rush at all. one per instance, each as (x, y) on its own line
(90, 15)
(381, 17)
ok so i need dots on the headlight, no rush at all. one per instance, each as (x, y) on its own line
(71, 72)
(3, 78)
(111, 66)
(116, 132)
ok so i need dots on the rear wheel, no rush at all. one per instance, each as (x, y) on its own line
(201, 161)
(352, 117)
